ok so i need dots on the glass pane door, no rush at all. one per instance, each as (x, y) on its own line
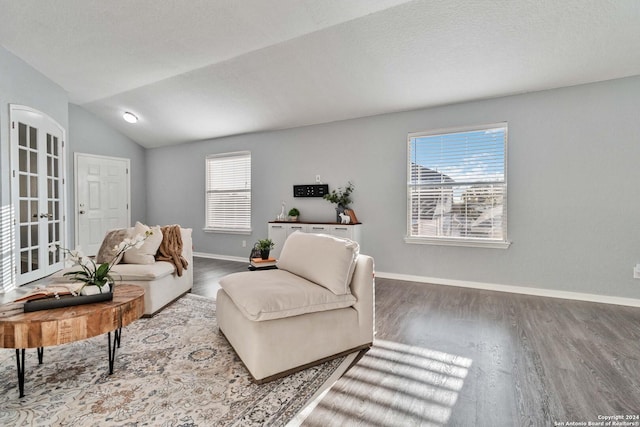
(38, 193)
(54, 197)
(29, 200)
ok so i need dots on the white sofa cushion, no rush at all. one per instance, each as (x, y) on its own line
(124, 272)
(279, 294)
(145, 254)
(157, 270)
(326, 260)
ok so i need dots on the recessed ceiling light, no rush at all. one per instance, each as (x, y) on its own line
(130, 117)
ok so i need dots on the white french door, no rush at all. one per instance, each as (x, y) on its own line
(37, 192)
(102, 188)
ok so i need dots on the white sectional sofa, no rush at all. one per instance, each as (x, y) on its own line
(318, 304)
(160, 281)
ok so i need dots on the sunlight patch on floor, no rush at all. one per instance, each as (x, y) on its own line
(401, 385)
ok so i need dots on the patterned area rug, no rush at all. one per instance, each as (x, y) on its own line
(174, 369)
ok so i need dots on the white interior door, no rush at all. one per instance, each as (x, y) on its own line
(102, 198)
(37, 191)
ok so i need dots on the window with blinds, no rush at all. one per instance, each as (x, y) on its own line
(457, 186)
(228, 204)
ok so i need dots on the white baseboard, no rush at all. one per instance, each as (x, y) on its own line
(222, 257)
(578, 296)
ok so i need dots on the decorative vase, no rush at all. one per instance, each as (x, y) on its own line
(339, 210)
(264, 254)
(94, 290)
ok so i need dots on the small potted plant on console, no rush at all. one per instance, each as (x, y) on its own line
(293, 214)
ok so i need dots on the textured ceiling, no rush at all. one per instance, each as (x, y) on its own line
(197, 69)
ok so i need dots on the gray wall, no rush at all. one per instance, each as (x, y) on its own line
(90, 135)
(20, 84)
(572, 177)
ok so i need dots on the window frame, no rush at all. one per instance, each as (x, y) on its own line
(207, 221)
(481, 242)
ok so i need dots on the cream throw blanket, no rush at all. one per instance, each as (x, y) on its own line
(171, 248)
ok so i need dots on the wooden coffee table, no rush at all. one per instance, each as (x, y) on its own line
(57, 326)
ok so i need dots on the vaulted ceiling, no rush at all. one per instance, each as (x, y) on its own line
(199, 69)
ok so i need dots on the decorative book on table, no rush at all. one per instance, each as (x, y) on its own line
(262, 263)
(52, 291)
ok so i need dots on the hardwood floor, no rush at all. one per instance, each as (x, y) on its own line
(463, 357)
(207, 272)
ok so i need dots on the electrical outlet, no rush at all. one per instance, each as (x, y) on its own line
(244, 243)
(318, 179)
(636, 271)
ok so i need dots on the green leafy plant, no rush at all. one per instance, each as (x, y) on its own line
(341, 196)
(92, 273)
(265, 244)
(294, 212)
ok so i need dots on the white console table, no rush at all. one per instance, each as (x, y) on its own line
(280, 230)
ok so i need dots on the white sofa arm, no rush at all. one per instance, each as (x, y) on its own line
(187, 244)
(363, 288)
(187, 253)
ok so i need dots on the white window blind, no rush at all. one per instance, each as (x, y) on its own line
(457, 188)
(228, 204)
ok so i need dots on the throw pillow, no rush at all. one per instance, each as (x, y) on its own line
(325, 260)
(112, 239)
(145, 254)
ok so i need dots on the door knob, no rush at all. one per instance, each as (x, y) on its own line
(44, 215)
(81, 212)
